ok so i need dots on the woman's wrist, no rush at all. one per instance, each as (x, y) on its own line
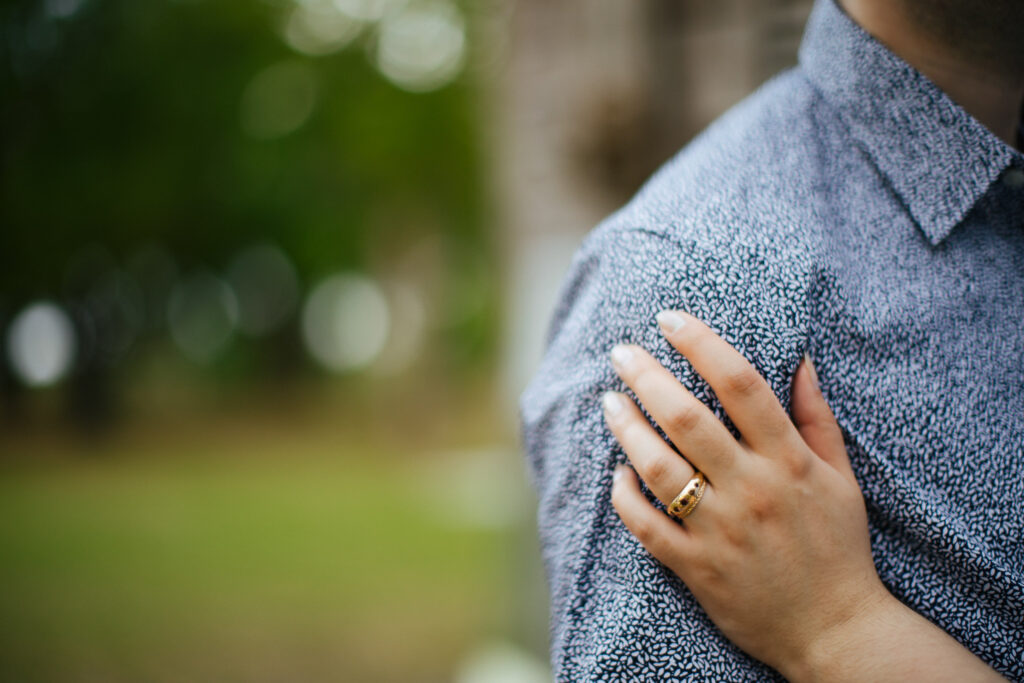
(843, 650)
(886, 641)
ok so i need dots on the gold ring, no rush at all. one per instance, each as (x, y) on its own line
(687, 500)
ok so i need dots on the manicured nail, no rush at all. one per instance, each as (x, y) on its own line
(621, 355)
(669, 321)
(612, 403)
(814, 373)
(617, 473)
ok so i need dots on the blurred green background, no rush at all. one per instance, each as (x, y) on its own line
(250, 304)
(272, 274)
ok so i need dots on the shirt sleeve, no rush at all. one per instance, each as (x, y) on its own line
(616, 613)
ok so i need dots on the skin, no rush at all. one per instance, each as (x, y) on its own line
(777, 551)
(972, 49)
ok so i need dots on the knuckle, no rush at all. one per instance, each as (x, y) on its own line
(732, 534)
(684, 418)
(762, 508)
(797, 464)
(761, 504)
(657, 469)
(645, 532)
(742, 381)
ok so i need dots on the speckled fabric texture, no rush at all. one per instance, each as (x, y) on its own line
(849, 210)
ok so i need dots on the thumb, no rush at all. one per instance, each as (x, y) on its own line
(815, 421)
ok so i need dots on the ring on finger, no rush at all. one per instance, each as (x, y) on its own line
(683, 505)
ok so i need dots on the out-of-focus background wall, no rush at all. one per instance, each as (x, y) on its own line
(273, 274)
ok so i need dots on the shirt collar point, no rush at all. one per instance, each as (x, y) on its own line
(938, 219)
(935, 156)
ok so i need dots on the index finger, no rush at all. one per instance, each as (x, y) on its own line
(744, 393)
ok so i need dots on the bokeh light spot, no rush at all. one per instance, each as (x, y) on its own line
(320, 28)
(422, 46)
(202, 314)
(345, 322)
(501, 662)
(365, 10)
(278, 100)
(41, 344)
(267, 287)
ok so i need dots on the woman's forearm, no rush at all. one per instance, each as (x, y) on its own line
(888, 642)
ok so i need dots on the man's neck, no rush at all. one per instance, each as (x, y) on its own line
(986, 78)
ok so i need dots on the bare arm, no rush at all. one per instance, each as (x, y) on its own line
(888, 643)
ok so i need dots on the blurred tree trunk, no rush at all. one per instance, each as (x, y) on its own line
(707, 55)
(593, 97)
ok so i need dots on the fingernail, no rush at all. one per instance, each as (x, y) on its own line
(669, 321)
(612, 403)
(814, 373)
(617, 473)
(621, 355)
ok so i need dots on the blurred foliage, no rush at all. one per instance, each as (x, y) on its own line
(121, 127)
(339, 544)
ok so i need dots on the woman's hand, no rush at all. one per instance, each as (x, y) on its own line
(777, 551)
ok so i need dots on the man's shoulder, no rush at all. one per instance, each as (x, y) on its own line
(732, 229)
(753, 181)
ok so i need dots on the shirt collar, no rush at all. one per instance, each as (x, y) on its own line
(937, 158)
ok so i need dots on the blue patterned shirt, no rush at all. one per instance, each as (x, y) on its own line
(848, 209)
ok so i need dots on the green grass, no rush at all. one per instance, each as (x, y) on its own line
(296, 563)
